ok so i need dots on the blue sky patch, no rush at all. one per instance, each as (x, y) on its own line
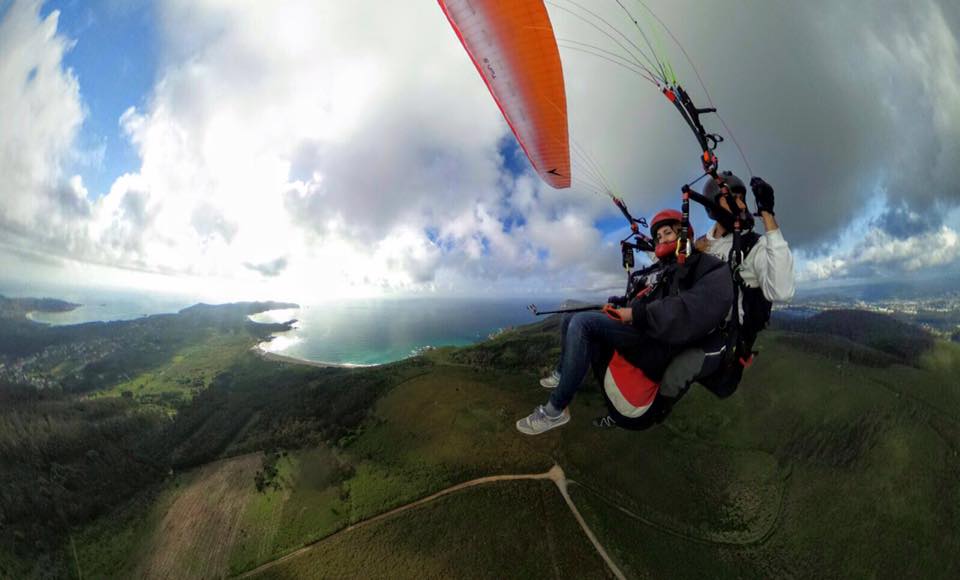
(114, 59)
(512, 221)
(612, 223)
(484, 244)
(514, 159)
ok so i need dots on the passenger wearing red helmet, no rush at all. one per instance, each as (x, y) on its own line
(764, 275)
(676, 305)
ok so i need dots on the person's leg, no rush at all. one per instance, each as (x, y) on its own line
(599, 360)
(553, 379)
(590, 335)
(587, 334)
(564, 328)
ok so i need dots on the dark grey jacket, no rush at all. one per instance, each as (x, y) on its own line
(686, 302)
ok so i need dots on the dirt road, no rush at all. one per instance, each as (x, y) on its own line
(555, 474)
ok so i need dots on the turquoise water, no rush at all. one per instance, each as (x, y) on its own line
(98, 310)
(380, 331)
(99, 305)
(359, 332)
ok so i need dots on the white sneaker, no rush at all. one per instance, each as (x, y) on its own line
(550, 382)
(539, 422)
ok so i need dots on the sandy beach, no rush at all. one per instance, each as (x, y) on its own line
(272, 356)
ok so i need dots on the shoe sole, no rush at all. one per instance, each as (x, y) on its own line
(552, 426)
(546, 385)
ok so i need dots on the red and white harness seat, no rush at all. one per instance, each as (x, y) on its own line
(628, 389)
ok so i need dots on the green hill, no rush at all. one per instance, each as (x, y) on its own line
(897, 340)
(819, 466)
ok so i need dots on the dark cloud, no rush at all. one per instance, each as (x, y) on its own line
(305, 159)
(134, 208)
(270, 269)
(208, 222)
(830, 101)
(880, 111)
(12, 235)
(805, 127)
(70, 203)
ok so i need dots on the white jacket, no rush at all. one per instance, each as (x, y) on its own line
(769, 265)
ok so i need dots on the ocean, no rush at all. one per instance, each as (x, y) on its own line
(369, 332)
(107, 308)
(356, 332)
(96, 304)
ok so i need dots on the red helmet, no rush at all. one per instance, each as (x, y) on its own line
(665, 217)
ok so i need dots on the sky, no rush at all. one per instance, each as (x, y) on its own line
(311, 150)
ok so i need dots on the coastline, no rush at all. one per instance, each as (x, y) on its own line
(29, 316)
(272, 356)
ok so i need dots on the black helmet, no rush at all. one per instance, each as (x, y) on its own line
(711, 190)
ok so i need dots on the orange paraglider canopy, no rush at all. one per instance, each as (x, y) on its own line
(512, 44)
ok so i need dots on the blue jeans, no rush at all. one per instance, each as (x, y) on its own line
(564, 325)
(589, 338)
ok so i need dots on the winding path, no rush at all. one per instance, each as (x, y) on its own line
(555, 474)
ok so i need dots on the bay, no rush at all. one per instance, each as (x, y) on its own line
(354, 333)
(370, 332)
(98, 304)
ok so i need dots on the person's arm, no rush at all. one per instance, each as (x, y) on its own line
(772, 264)
(770, 260)
(692, 313)
(769, 221)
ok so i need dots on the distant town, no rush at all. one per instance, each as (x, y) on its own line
(938, 315)
(49, 367)
(77, 356)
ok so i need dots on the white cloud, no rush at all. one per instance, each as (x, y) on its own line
(879, 253)
(342, 148)
(334, 149)
(42, 113)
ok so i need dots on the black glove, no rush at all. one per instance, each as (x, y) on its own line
(618, 301)
(763, 193)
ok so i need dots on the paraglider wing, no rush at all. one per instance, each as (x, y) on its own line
(512, 44)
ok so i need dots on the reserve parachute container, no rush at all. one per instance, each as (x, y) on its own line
(514, 49)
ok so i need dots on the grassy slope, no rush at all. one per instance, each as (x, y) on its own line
(113, 546)
(184, 530)
(516, 529)
(188, 372)
(308, 504)
(388, 464)
(872, 453)
(816, 467)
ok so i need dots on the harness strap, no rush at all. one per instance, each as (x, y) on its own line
(683, 242)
